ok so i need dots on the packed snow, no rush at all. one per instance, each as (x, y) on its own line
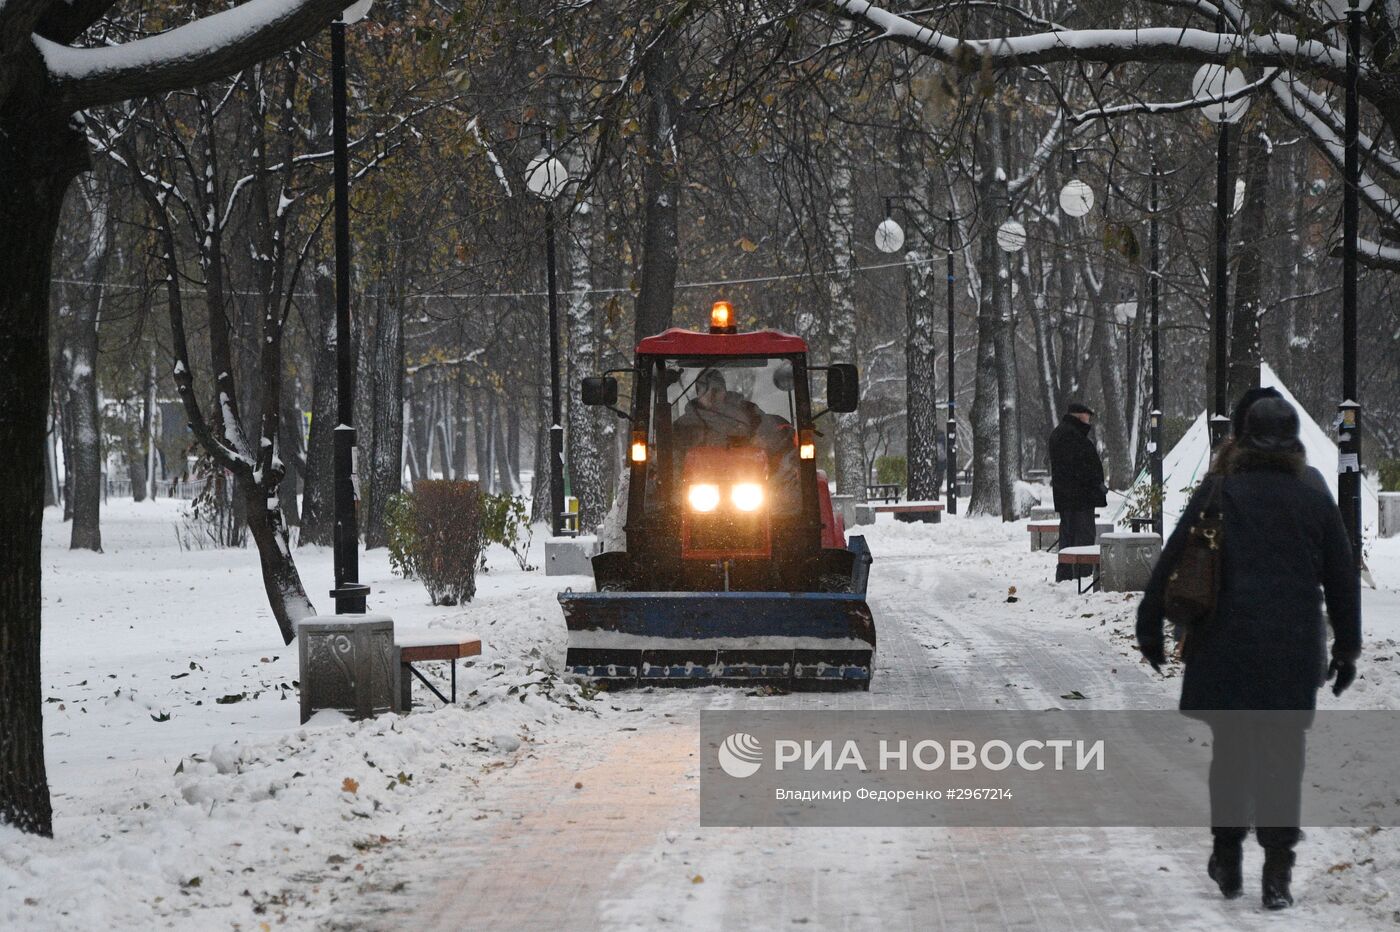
(187, 794)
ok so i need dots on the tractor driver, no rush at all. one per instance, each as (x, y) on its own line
(716, 416)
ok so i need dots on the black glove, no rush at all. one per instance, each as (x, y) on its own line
(1344, 671)
(1154, 654)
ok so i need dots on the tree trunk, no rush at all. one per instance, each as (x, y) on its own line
(289, 447)
(53, 487)
(499, 456)
(920, 382)
(318, 484)
(386, 450)
(82, 405)
(513, 445)
(1105, 348)
(540, 508)
(585, 452)
(986, 433)
(285, 593)
(986, 436)
(150, 419)
(661, 190)
(1256, 153)
(850, 454)
(40, 154)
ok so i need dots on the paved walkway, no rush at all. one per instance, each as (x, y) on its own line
(600, 831)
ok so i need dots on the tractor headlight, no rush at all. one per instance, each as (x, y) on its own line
(747, 496)
(703, 496)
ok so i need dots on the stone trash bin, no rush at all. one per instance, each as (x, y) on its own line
(348, 663)
(1126, 559)
(1390, 514)
(570, 556)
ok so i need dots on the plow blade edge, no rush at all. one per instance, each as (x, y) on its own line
(794, 639)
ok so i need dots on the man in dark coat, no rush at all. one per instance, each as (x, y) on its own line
(1264, 648)
(1076, 477)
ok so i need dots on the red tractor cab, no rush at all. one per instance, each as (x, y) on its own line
(727, 515)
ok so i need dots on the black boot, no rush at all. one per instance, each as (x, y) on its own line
(1278, 874)
(1225, 866)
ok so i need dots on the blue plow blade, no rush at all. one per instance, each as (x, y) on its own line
(799, 640)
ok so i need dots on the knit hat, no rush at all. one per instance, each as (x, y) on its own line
(1271, 426)
(1077, 408)
(1242, 406)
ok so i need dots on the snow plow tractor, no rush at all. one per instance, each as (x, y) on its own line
(736, 570)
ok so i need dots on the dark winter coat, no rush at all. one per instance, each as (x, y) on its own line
(1076, 472)
(1285, 547)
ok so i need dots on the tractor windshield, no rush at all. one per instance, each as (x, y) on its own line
(725, 402)
(730, 397)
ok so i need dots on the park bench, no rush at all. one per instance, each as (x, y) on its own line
(426, 647)
(1082, 556)
(1140, 524)
(1045, 535)
(927, 512)
(887, 492)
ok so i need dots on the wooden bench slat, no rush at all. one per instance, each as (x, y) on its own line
(908, 507)
(414, 648)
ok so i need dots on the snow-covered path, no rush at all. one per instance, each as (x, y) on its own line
(189, 797)
(600, 830)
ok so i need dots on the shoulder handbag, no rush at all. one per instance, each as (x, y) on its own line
(1194, 583)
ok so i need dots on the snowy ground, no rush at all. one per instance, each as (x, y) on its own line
(188, 796)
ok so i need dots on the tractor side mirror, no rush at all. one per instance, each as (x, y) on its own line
(600, 390)
(842, 387)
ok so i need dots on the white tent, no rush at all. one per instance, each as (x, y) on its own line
(1188, 461)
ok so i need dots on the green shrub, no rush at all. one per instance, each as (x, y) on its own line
(1144, 500)
(1390, 475)
(892, 470)
(445, 547)
(399, 518)
(506, 521)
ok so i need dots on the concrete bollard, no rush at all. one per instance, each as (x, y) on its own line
(864, 514)
(570, 556)
(1126, 559)
(347, 663)
(1043, 513)
(1390, 514)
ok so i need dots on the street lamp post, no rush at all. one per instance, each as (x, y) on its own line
(1154, 441)
(1216, 83)
(951, 444)
(1349, 411)
(546, 177)
(349, 593)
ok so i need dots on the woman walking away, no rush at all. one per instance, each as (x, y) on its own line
(1263, 646)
